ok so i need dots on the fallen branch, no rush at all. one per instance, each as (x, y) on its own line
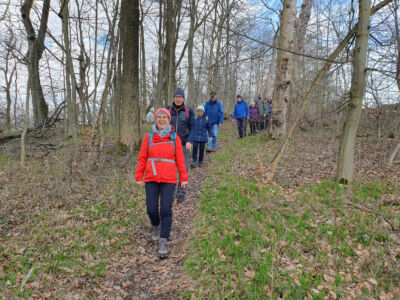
(50, 122)
(372, 211)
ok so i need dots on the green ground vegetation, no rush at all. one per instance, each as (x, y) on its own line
(256, 240)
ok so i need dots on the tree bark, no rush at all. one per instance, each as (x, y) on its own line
(170, 50)
(26, 121)
(269, 83)
(345, 163)
(70, 75)
(283, 78)
(393, 155)
(191, 94)
(130, 119)
(301, 24)
(36, 47)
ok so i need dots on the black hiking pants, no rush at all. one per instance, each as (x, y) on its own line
(242, 126)
(164, 193)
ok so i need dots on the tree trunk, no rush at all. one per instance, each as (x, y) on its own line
(70, 75)
(345, 163)
(396, 24)
(393, 154)
(130, 119)
(111, 57)
(301, 24)
(170, 50)
(26, 121)
(269, 83)
(36, 47)
(283, 78)
(143, 69)
(191, 94)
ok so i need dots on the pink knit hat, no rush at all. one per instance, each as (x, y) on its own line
(163, 110)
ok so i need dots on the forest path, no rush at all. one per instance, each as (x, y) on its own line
(143, 274)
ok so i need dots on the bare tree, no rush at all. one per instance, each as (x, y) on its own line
(345, 163)
(130, 118)
(36, 47)
(9, 72)
(283, 77)
(70, 74)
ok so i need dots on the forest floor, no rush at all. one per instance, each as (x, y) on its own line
(73, 229)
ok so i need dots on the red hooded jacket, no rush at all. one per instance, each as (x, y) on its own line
(150, 165)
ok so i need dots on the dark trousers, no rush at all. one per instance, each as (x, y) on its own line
(261, 124)
(242, 126)
(253, 127)
(163, 193)
(201, 146)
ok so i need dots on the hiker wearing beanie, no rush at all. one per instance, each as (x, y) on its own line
(160, 156)
(182, 119)
(241, 115)
(254, 117)
(215, 113)
(201, 130)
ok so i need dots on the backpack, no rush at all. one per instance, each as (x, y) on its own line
(173, 138)
(186, 111)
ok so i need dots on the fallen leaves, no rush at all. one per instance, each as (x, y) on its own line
(222, 257)
(249, 273)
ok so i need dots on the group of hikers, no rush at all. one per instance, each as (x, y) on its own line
(258, 115)
(177, 131)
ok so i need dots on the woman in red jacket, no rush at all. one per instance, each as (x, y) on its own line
(160, 155)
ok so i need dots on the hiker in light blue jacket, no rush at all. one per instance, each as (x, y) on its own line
(241, 115)
(215, 113)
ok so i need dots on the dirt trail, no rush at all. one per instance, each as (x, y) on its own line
(142, 275)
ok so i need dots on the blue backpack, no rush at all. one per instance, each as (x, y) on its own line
(173, 138)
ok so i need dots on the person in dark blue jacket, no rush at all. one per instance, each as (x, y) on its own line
(182, 118)
(200, 132)
(215, 113)
(241, 115)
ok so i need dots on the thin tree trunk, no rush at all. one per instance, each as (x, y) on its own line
(143, 69)
(393, 155)
(111, 56)
(26, 121)
(170, 50)
(191, 94)
(396, 23)
(283, 78)
(96, 25)
(345, 164)
(70, 75)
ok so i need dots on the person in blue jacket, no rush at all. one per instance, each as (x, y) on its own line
(215, 113)
(200, 132)
(182, 118)
(241, 115)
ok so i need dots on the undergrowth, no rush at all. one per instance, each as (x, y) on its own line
(316, 241)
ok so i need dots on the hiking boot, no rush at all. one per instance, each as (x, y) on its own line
(181, 198)
(208, 150)
(193, 164)
(155, 236)
(200, 164)
(163, 248)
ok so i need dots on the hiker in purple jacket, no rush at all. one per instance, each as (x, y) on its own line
(254, 117)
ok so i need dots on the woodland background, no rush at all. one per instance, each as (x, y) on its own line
(316, 197)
